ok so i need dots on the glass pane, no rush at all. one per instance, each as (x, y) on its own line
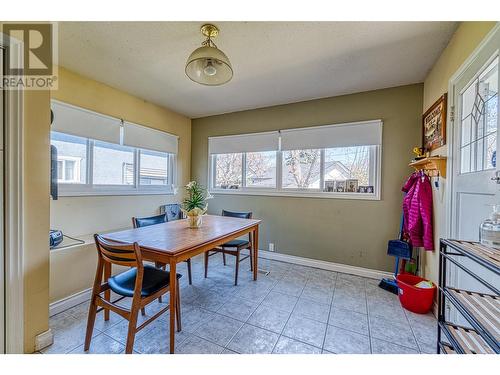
(491, 115)
(468, 98)
(261, 169)
(488, 81)
(70, 170)
(473, 155)
(113, 164)
(154, 168)
(70, 148)
(348, 169)
(301, 169)
(477, 118)
(228, 173)
(466, 130)
(490, 151)
(479, 155)
(480, 121)
(465, 159)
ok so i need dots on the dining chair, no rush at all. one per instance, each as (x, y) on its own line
(143, 283)
(233, 247)
(138, 222)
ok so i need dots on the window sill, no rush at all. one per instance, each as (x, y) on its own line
(87, 239)
(299, 194)
(70, 244)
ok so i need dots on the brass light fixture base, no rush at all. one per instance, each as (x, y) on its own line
(209, 30)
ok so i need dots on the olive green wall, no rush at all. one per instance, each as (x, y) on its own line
(353, 232)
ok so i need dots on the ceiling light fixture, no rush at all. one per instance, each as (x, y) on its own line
(208, 65)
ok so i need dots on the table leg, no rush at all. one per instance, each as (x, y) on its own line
(107, 293)
(173, 301)
(255, 249)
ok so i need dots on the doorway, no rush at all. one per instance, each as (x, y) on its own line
(475, 185)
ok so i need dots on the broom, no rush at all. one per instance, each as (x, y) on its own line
(400, 249)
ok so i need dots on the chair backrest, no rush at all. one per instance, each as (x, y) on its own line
(138, 222)
(173, 211)
(123, 254)
(241, 215)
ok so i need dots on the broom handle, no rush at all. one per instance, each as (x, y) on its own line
(401, 227)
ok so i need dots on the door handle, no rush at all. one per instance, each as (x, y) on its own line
(497, 179)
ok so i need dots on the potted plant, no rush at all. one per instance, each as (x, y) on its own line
(195, 204)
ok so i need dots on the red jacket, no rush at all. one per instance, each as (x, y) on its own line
(417, 211)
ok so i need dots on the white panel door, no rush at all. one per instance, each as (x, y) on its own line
(475, 186)
(2, 255)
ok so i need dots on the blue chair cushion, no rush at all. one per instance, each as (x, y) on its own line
(237, 243)
(154, 279)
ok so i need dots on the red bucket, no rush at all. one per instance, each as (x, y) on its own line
(418, 300)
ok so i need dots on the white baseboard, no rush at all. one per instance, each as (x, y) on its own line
(43, 340)
(322, 264)
(69, 302)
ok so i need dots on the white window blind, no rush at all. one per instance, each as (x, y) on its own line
(80, 122)
(267, 141)
(366, 133)
(142, 137)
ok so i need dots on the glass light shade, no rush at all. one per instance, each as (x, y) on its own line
(196, 66)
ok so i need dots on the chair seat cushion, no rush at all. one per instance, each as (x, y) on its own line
(154, 279)
(237, 243)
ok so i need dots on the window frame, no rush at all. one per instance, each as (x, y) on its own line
(91, 189)
(375, 171)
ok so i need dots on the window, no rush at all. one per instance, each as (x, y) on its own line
(113, 167)
(153, 168)
(228, 171)
(71, 158)
(348, 169)
(260, 169)
(345, 162)
(301, 169)
(112, 164)
(68, 170)
(102, 155)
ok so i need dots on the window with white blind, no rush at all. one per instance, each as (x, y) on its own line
(102, 155)
(336, 161)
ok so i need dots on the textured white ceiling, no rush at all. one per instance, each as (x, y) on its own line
(273, 62)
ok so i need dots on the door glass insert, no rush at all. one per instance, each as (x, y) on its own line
(479, 103)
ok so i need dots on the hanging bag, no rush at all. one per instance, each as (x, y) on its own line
(400, 248)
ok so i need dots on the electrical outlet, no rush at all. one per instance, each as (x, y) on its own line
(271, 246)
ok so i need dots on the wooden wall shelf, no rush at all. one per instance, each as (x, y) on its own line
(433, 165)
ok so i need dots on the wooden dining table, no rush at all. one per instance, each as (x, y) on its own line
(174, 242)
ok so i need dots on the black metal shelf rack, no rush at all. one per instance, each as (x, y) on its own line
(481, 310)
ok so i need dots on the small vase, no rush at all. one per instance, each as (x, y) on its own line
(195, 221)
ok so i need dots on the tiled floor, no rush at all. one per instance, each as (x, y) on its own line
(294, 309)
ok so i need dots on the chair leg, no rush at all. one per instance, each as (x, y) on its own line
(90, 323)
(237, 267)
(163, 267)
(224, 258)
(178, 309)
(143, 311)
(132, 326)
(251, 259)
(189, 271)
(206, 263)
